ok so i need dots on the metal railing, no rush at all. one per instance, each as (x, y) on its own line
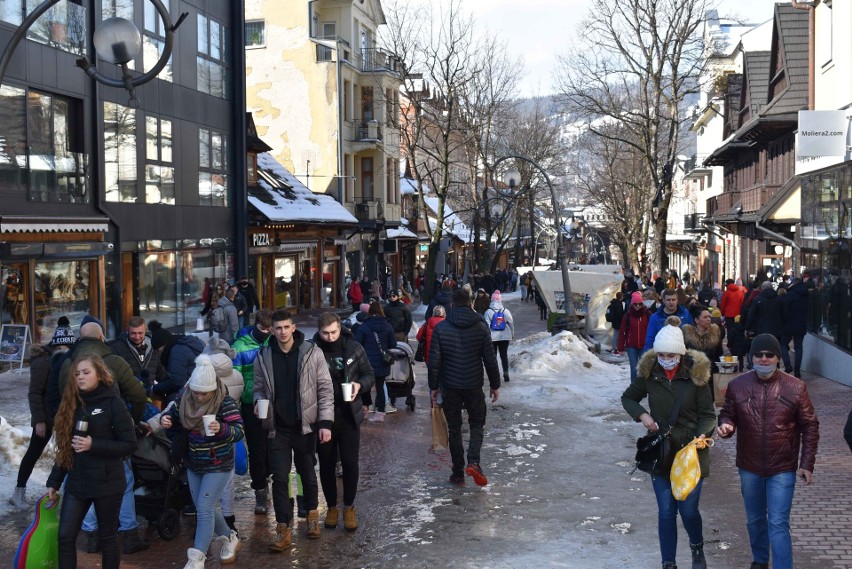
(367, 131)
(369, 209)
(372, 59)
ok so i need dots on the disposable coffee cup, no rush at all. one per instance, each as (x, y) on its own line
(206, 420)
(347, 391)
(262, 408)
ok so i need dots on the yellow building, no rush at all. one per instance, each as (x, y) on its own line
(327, 99)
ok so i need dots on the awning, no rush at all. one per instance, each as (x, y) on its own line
(786, 205)
(400, 233)
(39, 224)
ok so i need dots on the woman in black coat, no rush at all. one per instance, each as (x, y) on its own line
(376, 335)
(94, 432)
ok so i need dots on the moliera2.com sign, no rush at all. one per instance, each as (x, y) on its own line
(822, 133)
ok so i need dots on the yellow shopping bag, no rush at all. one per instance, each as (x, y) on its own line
(686, 471)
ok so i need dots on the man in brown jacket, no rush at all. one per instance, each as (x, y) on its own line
(773, 416)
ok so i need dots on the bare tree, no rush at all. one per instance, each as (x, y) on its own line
(637, 65)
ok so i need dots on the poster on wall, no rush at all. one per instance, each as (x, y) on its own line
(13, 343)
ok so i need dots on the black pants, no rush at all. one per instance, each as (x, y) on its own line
(345, 442)
(474, 401)
(502, 347)
(256, 438)
(34, 450)
(291, 446)
(71, 519)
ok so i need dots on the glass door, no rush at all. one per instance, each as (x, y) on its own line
(285, 282)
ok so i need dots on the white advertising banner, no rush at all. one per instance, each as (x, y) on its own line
(822, 133)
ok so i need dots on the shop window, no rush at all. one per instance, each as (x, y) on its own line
(120, 173)
(213, 168)
(154, 41)
(159, 171)
(158, 298)
(211, 57)
(62, 288)
(285, 282)
(13, 139)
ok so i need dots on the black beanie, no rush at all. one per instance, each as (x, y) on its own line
(159, 335)
(765, 343)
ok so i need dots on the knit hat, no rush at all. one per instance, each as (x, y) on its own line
(159, 335)
(63, 336)
(765, 343)
(219, 346)
(669, 339)
(89, 318)
(496, 296)
(364, 307)
(636, 298)
(203, 378)
(394, 293)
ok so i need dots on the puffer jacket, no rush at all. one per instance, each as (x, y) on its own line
(732, 301)
(796, 310)
(427, 331)
(460, 344)
(179, 359)
(444, 298)
(773, 418)
(315, 396)
(508, 333)
(399, 316)
(766, 314)
(696, 416)
(658, 320)
(356, 369)
(247, 347)
(372, 327)
(634, 329)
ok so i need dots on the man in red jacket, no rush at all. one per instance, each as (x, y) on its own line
(773, 416)
(732, 299)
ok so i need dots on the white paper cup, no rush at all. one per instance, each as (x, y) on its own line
(347, 391)
(206, 420)
(262, 408)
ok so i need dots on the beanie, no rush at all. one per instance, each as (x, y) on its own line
(219, 346)
(669, 339)
(636, 298)
(63, 336)
(63, 322)
(364, 307)
(159, 335)
(89, 318)
(765, 343)
(203, 378)
(496, 296)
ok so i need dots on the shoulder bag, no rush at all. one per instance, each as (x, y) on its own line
(388, 358)
(655, 452)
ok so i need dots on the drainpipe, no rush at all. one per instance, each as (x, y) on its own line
(777, 237)
(811, 7)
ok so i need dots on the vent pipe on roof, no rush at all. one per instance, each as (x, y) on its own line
(811, 7)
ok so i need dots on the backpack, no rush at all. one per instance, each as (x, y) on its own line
(218, 320)
(608, 315)
(498, 321)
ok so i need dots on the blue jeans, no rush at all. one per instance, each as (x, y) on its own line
(633, 355)
(768, 500)
(127, 515)
(667, 510)
(614, 343)
(206, 489)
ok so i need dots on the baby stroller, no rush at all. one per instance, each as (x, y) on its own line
(160, 488)
(400, 382)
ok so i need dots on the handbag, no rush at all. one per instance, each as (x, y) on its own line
(39, 546)
(686, 470)
(240, 458)
(386, 357)
(655, 452)
(419, 355)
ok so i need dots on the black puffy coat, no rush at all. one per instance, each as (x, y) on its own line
(766, 314)
(459, 346)
(179, 359)
(399, 316)
(373, 328)
(356, 369)
(444, 298)
(796, 310)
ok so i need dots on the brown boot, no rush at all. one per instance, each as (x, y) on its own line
(331, 518)
(283, 538)
(350, 522)
(313, 525)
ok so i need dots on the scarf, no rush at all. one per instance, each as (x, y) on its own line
(191, 411)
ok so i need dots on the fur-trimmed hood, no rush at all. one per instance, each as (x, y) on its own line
(694, 363)
(693, 340)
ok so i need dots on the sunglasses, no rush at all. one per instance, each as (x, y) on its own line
(764, 355)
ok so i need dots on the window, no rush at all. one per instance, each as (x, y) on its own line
(120, 174)
(256, 34)
(211, 57)
(252, 168)
(154, 41)
(213, 168)
(367, 103)
(13, 139)
(159, 171)
(329, 32)
(63, 26)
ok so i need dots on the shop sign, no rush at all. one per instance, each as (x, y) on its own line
(822, 133)
(260, 240)
(76, 249)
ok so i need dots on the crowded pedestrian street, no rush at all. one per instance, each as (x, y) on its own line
(558, 452)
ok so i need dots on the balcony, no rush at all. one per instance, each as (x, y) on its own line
(722, 204)
(369, 210)
(366, 131)
(369, 60)
(693, 222)
(754, 198)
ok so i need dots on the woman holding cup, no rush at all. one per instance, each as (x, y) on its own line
(211, 422)
(351, 373)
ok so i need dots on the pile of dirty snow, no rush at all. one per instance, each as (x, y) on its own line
(13, 446)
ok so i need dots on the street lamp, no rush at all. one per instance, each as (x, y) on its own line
(512, 179)
(116, 40)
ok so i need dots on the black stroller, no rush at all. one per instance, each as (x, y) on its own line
(400, 381)
(160, 488)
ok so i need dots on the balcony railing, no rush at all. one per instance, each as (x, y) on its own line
(751, 200)
(693, 222)
(370, 59)
(367, 131)
(369, 209)
(754, 198)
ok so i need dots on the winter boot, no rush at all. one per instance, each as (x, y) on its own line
(756, 565)
(669, 565)
(506, 376)
(313, 525)
(698, 561)
(18, 499)
(331, 518)
(93, 543)
(230, 548)
(195, 559)
(350, 522)
(261, 502)
(283, 538)
(377, 417)
(133, 543)
(231, 521)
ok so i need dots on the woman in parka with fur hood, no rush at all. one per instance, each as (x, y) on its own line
(664, 372)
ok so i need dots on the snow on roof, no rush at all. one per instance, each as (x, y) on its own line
(400, 232)
(281, 197)
(408, 186)
(452, 223)
(758, 38)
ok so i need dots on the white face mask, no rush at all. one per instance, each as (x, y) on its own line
(765, 370)
(668, 365)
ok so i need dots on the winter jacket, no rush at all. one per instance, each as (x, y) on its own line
(247, 347)
(634, 329)
(427, 331)
(179, 359)
(216, 453)
(710, 344)
(460, 345)
(315, 403)
(355, 296)
(40, 358)
(147, 367)
(738, 343)
(732, 301)
(366, 336)
(99, 471)
(444, 298)
(766, 314)
(249, 293)
(399, 316)
(796, 310)
(231, 318)
(508, 333)
(697, 415)
(705, 295)
(616, 313)
(356, 369)
(658, 320)
(130, 388)
(772, 418)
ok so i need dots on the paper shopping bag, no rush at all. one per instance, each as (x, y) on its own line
(39, 546)
(440, 435)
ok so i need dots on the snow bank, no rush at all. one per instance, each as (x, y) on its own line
(13, 446)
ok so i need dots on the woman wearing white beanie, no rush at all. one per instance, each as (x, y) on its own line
(668, 372)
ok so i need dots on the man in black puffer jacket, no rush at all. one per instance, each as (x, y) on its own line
(459, 346)
(398, 315)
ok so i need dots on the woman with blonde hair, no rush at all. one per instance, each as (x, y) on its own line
(94, 432)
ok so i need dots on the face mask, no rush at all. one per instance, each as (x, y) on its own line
(765, 370)
(668, 365)
(259, 336)
(648, 303)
